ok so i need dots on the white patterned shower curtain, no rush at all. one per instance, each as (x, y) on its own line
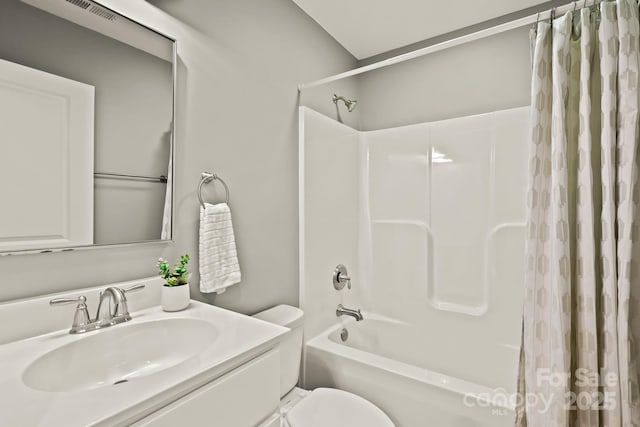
(578, 365)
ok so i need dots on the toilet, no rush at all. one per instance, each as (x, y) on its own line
(321, 407)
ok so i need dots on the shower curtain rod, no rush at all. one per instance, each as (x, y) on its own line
(487, 32)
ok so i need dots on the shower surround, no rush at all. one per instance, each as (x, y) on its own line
(429, 220)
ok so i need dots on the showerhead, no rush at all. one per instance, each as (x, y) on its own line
(349, 103)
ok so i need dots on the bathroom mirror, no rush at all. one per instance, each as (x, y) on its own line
(86, 127)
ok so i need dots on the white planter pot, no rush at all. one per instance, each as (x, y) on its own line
(175, 298)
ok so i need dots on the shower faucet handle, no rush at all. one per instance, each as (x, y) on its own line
(345, 279)
(341, 277)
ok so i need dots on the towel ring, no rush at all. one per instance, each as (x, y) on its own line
(207, 177)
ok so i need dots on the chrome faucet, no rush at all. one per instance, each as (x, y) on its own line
(342, 311)
(112, 309)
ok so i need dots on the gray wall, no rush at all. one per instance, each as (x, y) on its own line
(485, 75)
(478, 77)
(239, 64)
(132, 111)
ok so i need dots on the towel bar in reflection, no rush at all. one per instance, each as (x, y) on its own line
(207, 177)
(161, 178)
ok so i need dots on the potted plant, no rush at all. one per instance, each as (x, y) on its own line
(175, 292)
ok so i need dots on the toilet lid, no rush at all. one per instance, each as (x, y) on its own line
(336, 408)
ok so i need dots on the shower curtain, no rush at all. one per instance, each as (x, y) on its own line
(578, 365)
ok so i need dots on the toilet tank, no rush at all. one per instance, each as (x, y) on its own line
(291, 344)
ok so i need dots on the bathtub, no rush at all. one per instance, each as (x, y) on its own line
(391, 364)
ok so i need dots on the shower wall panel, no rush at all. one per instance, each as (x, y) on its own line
(330, 159)
(429, 219)
(447, 206)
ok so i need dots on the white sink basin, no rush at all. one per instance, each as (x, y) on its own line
(50, 378)
(114, 356)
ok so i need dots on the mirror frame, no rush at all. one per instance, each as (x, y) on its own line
(174, 82)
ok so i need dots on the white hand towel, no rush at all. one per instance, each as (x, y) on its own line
(219, 266)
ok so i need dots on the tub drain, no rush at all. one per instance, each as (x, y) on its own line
(344, 334)
(121, 382)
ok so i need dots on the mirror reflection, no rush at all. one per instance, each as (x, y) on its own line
(86, 118)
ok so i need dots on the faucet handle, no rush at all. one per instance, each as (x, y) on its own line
(81, 318)
(62, 301)
(133, 288)
(346, 279)
(340, 277)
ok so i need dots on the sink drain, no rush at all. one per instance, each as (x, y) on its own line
(120, 382)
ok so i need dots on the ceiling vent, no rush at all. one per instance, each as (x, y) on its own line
(95, 9)
(103, 13)
(80, 3)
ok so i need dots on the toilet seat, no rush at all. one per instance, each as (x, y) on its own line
(336, 408)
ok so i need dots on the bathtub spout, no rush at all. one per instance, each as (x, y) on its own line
(342, 310)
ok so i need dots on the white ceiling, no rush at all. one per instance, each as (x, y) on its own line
(370, 27)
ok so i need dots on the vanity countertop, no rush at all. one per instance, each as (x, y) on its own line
(238, 339)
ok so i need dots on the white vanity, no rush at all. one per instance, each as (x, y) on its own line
(201, 366)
